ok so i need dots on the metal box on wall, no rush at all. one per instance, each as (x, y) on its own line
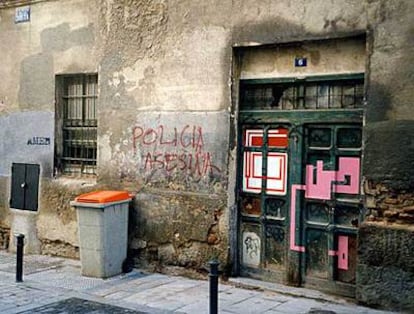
(25, 186)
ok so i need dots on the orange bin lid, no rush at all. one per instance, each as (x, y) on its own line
(103, 197)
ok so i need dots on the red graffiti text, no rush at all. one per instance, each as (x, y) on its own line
(176, 149)
(186, 137)
(199, 163)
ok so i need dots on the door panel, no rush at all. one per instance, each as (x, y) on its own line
(251, 243)
(275, 247)
(263, 199)
(332, 204)
(316, 253)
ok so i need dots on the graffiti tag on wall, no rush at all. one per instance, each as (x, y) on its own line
(38, 141)
(251, 248)
(174, 149)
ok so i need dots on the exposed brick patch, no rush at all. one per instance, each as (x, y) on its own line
(389, 205)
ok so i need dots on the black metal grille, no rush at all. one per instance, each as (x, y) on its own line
(341, 94)
(79, 124)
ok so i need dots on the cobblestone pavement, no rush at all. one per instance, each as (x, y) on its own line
(75, 305)
(54, 285)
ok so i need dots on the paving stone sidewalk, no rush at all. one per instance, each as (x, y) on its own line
(54, 285)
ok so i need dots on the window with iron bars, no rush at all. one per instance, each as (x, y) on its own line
(76, 124)
(320, 94)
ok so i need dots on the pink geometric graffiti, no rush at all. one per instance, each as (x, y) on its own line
(348, 167)
(342, 252)
(345, 180)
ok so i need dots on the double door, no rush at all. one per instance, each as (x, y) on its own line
(299, 199)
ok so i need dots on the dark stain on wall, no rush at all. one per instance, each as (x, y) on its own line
(37, 71)
(389, 144)
(380, 104)
(36, 81)
(280, 30)
(270, 31)
(389, 153)
(385, 267)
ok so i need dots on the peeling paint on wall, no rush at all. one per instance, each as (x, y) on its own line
(136, 28)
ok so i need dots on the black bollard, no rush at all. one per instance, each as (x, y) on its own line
(19, 257)
(214, 286)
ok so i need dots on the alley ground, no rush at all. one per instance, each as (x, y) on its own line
(54, 285)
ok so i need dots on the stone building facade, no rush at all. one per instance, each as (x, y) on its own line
(273, 135)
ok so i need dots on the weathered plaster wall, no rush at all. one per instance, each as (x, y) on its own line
(17, 131)
(164, 99)
(157, 149)
(389, 146)
(385, 273)
(32, 53)
(165, 55)
(57, 224)
(260, 22)
(177, 162)
(183, 228)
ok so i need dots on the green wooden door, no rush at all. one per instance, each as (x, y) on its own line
(298, 194)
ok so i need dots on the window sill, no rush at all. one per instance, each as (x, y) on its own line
(77, 182)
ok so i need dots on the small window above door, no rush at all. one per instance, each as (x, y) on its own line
(312, 93)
